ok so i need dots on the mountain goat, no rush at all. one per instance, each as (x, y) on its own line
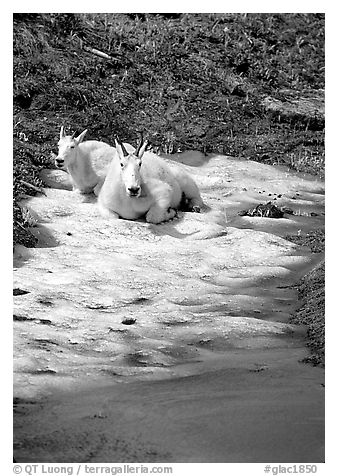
(76, 156)
(140, 184)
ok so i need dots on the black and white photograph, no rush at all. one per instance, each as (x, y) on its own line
(168, 241)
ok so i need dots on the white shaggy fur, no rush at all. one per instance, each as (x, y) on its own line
(136, 187)
(191, 193)
(75, 156)
(142, 183)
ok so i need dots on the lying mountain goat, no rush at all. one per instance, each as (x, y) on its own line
(76, 157)
(140, 184)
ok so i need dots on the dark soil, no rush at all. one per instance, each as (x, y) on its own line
(312, 313)
(315, 240)
(311, 293)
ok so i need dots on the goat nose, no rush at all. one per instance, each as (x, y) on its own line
(59, 161)
(134, 190)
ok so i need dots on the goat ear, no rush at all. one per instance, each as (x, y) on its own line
(79, 138)
(119, 149)
(62, 132)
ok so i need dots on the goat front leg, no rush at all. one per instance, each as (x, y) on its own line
(158, 215)
(193, 198)
(195, 204)
(106, 213)
(162, 198)
(161, 211)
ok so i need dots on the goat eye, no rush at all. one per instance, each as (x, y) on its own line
(121, 164)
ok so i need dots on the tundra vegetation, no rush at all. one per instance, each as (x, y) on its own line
(192, 81)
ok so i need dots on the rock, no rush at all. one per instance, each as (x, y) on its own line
(19, 292)
(267, 210)
(128, 321)
(58, 179)
(309, 109)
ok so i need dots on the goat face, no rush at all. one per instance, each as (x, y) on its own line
(131, 175)
(131, 168)
(67, 152)
(67, 149)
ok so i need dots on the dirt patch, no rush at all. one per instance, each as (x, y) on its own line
(311, 293)
(315, 240)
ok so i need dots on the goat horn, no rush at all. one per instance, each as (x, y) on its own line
(125, 153)
(62, 132)
(140, 144)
